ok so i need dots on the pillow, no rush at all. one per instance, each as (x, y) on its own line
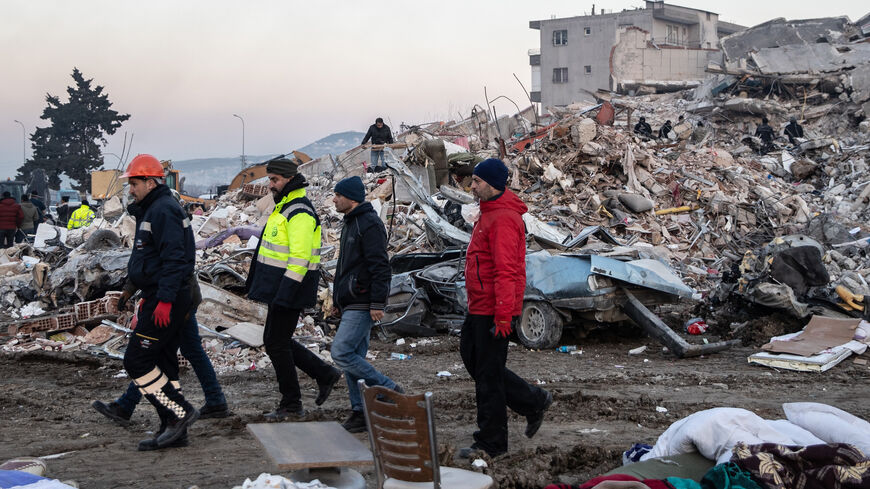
(829, 423)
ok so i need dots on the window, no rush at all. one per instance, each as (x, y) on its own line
(587, 31)
(560, 75)
(708, 15)
(673, 34)
(560, 38)
(587, 69)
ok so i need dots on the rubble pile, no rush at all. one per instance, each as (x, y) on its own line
(709, 198)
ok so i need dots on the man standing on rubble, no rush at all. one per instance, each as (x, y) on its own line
(643, 128)
(161, 266)
(81, 217)
(63, 211)
(11, 218)
(360, 290)
(285, 272)
(495, 280)
(793, 130)
(765, 132)
(379, 133)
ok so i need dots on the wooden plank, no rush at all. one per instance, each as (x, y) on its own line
(248, 333)
(294, 446)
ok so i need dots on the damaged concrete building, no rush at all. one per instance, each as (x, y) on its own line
(660, 47)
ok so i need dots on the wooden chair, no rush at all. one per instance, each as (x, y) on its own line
(402, 434)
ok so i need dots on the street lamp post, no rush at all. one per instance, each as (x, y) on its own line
(243, 139)
(23, 141)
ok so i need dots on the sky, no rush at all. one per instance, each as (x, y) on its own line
(294, 71)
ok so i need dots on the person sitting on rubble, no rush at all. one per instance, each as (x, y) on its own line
(642, 128)
(793, 130)
(81, 217)
(699, 133)
(765, 132)
(379, 133)
(665, 130)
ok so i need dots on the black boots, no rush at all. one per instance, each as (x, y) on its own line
(356, 423)
(325, 388)
(113, 411)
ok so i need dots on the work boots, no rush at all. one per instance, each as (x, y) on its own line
(533, 421)
(325, 388)
(175, 410)
(356, 423)
(283, 413)
(113, 411)
(151, 443)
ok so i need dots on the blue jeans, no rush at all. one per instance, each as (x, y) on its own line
(349, 350)
(191, 349)
(378, 156)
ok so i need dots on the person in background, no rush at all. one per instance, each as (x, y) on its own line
(31, 217)
(81, 217)
(793, 130)
(63, 211)
(379, 133)
(665, 130)
(39, 204)
(642, 128)
(11, 217)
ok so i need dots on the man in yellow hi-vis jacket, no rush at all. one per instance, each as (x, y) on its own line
(81, 217)
(284, 274)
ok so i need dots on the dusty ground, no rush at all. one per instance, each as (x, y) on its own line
(45, 398)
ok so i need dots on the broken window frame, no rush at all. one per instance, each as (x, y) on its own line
(560, 37)
(560, 75)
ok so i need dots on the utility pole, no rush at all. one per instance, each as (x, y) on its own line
(244, 163)
(23, 142)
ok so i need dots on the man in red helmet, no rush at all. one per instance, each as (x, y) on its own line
(161, 267)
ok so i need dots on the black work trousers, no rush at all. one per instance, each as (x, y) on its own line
(7, 237)
(496, 388)
(286, 354)
(153, 346)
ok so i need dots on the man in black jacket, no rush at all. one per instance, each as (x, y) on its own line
(161, 266)
(379, 133)
(642, 128)
(362, 283)
(793, 130)
(765, 132)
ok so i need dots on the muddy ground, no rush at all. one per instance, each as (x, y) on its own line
(605, 400)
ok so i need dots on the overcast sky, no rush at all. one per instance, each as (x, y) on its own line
(295, 71)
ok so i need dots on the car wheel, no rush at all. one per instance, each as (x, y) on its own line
(540, 326)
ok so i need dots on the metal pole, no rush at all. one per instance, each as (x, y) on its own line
(243, 139)
(23, 142)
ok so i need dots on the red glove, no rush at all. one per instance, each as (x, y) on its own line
(502, 328)
(161, 314)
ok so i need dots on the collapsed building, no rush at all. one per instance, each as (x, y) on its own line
(704, 217)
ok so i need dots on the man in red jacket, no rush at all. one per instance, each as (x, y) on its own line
(495, 280)
(11, 217)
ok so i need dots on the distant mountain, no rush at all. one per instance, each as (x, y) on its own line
(334, 144)
(203, 173)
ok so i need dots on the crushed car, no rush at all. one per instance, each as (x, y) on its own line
(562, 291)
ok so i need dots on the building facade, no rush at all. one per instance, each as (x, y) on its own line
(658, 46)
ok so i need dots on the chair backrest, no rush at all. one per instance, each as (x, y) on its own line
(402, 435)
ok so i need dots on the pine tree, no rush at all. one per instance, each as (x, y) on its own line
(79, 126)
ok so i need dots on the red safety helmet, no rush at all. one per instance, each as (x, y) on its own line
(144, 166)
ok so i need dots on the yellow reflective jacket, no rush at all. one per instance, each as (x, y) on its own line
(81, 218)
(285, 269)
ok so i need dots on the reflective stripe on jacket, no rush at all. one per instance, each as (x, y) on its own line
(285, 270)
(81, 218)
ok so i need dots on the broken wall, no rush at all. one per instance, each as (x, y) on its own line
(636, 62)
(781, 32)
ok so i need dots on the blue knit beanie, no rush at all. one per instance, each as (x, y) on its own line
(352, 188)
(492, 171)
